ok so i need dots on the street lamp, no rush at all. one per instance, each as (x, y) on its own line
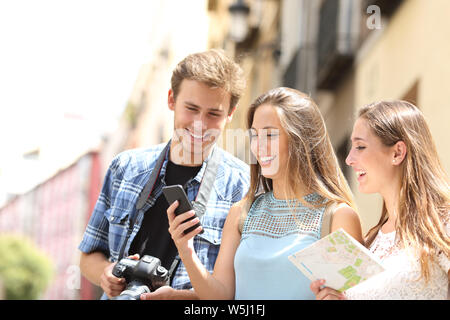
(239, 26)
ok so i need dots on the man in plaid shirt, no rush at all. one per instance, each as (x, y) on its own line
(205, 89)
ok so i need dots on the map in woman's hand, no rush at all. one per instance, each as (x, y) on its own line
(339, 259)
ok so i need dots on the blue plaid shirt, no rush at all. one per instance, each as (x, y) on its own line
(124, 181)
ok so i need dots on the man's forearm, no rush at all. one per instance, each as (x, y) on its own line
(184, 295)
(92, 266)
(168, 293)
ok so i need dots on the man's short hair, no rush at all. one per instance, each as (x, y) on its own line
(213, 68)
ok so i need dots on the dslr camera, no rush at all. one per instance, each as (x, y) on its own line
(142, 276)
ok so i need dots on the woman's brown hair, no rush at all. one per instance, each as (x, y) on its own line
(312, 164)
(424, 195)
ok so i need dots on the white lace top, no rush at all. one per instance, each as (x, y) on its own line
(402, 278)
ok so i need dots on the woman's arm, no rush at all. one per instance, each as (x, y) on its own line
(346, 218)
(220, 284)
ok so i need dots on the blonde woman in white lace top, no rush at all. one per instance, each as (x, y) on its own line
(393, 154)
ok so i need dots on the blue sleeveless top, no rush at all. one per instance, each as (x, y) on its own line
(273, 230)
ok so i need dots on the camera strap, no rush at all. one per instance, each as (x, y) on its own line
(148, 188)
(201, 199)
(143, 196)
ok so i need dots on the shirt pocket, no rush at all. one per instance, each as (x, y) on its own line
(212, 236)
(118, 226)
(222, 193)
(213, 222)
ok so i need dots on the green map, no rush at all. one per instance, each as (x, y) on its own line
(339, 259)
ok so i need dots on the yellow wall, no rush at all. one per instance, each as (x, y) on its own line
(257, 63)
(414, 46)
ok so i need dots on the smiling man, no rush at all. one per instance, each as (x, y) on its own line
(201, 113)
(130, 214)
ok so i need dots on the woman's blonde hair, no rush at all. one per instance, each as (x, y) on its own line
(312, 164)
(424, 194)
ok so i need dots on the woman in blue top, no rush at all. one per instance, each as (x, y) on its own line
(295, 178)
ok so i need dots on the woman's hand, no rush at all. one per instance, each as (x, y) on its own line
(177, 225)
(325, 293)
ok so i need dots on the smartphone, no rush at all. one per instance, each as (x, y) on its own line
(176, 192)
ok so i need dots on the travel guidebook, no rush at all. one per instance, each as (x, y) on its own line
(339, 259)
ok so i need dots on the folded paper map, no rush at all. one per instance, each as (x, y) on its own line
(339, 259)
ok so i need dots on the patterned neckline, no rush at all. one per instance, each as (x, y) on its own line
(309, 198)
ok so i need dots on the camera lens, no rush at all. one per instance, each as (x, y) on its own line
(160, 270)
